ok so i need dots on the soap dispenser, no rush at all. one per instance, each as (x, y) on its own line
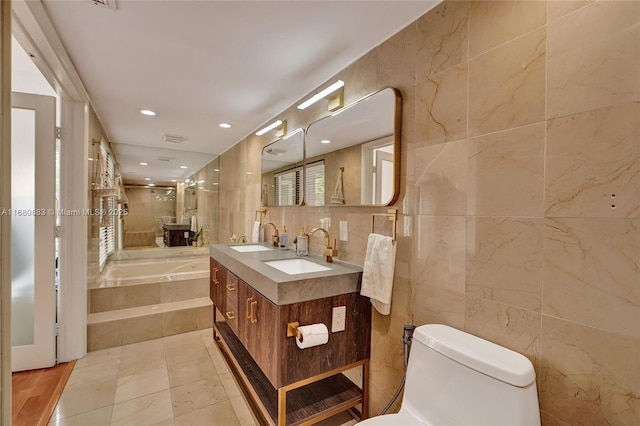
(302, 246)
(284, 238)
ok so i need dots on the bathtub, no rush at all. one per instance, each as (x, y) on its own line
(130, 272)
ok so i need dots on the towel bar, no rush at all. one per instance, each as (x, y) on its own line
(392, 215)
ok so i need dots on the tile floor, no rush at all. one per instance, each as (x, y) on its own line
(177, 380)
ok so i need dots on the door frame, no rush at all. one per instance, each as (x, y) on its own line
(36, 34)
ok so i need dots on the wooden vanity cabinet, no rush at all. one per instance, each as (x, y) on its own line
(217, 287)
(291, 386)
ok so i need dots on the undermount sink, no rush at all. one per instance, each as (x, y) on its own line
(296, 266)
(246, 248)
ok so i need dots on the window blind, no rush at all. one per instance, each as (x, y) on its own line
(107, 207)
(314, 184)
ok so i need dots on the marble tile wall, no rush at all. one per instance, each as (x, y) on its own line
(520, 193)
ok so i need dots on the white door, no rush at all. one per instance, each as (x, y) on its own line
(384, 177)
(33, 304)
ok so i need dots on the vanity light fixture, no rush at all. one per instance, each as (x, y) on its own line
(148, 112)
(279, 124)
(183, 167)
(147, 178)
(224, 125)
(295, 132)
(335, 101)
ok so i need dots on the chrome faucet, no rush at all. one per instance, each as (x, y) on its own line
(275, 237)
(328, 252)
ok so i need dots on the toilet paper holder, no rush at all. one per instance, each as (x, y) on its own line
(292, 330)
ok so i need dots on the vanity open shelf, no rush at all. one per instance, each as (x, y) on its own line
(288, 385)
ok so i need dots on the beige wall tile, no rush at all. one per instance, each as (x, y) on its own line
(493, 23)
(443, 38)
(435, 305)
(439, 175)
(504, 261)
(441, 106)
(593, 58)
(589, 376)
(559, 8)
(591, 273)
(437, 257)
(506, 85)
(506, 173)
(397, 59)
(508, 326)
(386, 347)
(593, 164)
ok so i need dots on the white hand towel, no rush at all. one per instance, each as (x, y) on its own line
(377, 274)
(255, 235)
(194, 225)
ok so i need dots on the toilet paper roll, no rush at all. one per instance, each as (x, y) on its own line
(312, 335)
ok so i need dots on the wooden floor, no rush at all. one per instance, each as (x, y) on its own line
(35, 394)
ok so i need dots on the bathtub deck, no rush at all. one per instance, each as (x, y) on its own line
(131, 309)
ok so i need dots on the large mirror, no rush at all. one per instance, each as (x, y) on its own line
(352, 156)
(282, 167)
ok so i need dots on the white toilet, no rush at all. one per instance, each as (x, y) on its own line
(454, 378)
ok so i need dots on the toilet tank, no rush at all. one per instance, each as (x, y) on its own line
(455, 378)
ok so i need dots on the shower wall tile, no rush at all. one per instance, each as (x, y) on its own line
(505, 261)
(506, 173)
(494, 23)
(589, 376)
(439, 174)
(593, 164)
(508, 326)
(441, 106)
(506, 85)
(591, 273)
(593, 58)
(443, 38)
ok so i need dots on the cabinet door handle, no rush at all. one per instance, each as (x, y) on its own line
(249, 300)
(215, 276)
(231, 315)
(230, 287)
(254, 319)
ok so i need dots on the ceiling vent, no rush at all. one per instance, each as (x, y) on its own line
(172, 138)
(167, 159)
(111, 4)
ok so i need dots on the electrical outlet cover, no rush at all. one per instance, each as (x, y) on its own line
(338, 319)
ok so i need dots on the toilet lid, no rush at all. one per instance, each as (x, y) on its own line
(403, 418)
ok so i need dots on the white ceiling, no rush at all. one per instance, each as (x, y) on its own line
(201, 63)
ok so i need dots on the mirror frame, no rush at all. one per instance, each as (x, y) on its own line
(397, 140)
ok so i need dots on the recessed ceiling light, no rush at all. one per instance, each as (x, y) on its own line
(325, 141)
(183, 167)
(147, 178)
(90, 159)
(144, 164)
(151, 184)
(147, 112)
(173, 180)
(224, 125)
(249, 173)
(216, 170)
